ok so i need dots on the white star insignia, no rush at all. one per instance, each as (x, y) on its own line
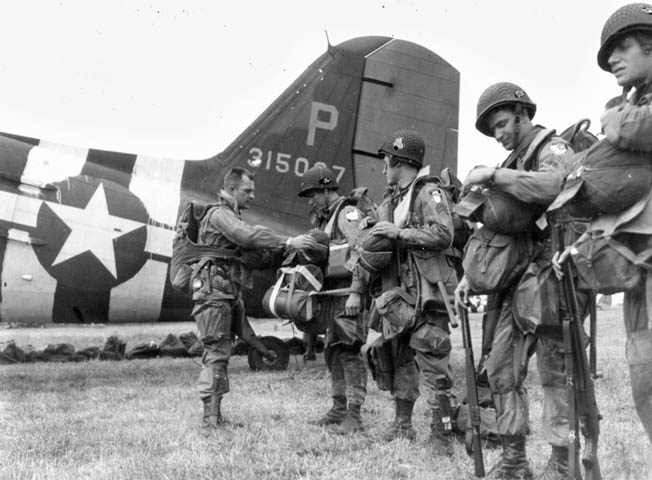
(93, 230)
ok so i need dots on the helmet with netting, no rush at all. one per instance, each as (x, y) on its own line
(627, 19)
(319, 177)
(406, 146)
(501, 94)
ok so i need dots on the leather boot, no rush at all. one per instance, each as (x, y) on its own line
(335, 415)
(212, 412)
(513, 463)
(351, 424)
(441, 432)
(557, 467)
(402, 425)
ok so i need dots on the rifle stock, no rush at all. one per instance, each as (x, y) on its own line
(474, 444)
(583, 408)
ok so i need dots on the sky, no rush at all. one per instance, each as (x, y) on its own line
(181, 79)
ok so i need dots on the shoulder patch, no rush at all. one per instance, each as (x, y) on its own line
(436, 196)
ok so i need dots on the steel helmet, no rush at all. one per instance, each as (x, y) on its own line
(501, 94)
(407, 146)
(375, 251)
(319, 177)
(632, 17)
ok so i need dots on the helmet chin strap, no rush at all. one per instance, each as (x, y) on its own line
(517, 123)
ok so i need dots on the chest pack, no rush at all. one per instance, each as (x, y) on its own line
(604, 179)
(343, 231)
(499, 211)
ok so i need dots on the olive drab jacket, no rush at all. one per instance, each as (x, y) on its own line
(423, 213)
(223, 227)
(536, 184)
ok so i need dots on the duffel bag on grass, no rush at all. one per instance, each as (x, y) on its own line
(606, 265)
(494, 262)
(604, 180)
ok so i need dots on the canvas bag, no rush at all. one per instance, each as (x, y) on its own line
(497, 210)
(285, 300)
(606, 265)
(605, 179)
(494, 262)
(397, 309)
(535, 299)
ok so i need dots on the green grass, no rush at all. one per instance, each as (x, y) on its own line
(139, 420)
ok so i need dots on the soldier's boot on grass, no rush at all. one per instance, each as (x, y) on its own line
(401, 427)
(513, 463)
(212, 412)
(335, 415)
(352, 423)
(441, 432)
(557, 467)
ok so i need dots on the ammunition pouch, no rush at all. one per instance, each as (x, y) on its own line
(494, 262)
(397, 309)
(209, 275)
(437, 279)
(607, 266)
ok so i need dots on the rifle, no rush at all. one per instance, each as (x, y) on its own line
(583, 407)
(472, 440)
(593, 335)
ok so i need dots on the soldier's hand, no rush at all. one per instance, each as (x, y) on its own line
(610, 120)
(366, 222)
(353, 303)
(462, 293)
(558, 259)
(386, 229)
(302, 241)
(478, 176)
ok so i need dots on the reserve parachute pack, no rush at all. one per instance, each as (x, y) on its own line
(345, 220)
(499, 211)
(298, 293)
(185, 249)
(604, 179)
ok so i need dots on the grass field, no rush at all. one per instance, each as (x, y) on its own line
(139, 420)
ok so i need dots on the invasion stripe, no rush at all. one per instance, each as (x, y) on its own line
(114, 166)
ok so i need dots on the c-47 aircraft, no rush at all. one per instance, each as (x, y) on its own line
(86, 235)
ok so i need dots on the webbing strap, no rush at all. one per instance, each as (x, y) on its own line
(307, 274)
(291, 273)
(274, 295)
(639, 259)
(402, 210)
